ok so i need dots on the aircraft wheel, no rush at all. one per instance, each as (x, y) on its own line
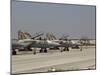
(30, 49)
(41, 50)
(61, 50)
(34, 53)
(67, 49)
(14, 52)
(64, 49)
(45, 51)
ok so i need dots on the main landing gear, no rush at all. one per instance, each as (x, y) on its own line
(43, 50)
(65, 49)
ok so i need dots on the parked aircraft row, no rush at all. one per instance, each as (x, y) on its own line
(27, 42)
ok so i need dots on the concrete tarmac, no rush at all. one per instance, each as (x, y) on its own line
(54, 59)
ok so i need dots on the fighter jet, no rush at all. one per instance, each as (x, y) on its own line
(28, 43)
(64, 42)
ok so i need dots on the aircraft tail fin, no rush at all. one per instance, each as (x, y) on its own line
(26, 35)
(23, 35)
(50, 36)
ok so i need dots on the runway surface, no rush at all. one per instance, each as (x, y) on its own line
(54, 60)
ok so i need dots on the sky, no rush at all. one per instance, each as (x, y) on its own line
(61, 19)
